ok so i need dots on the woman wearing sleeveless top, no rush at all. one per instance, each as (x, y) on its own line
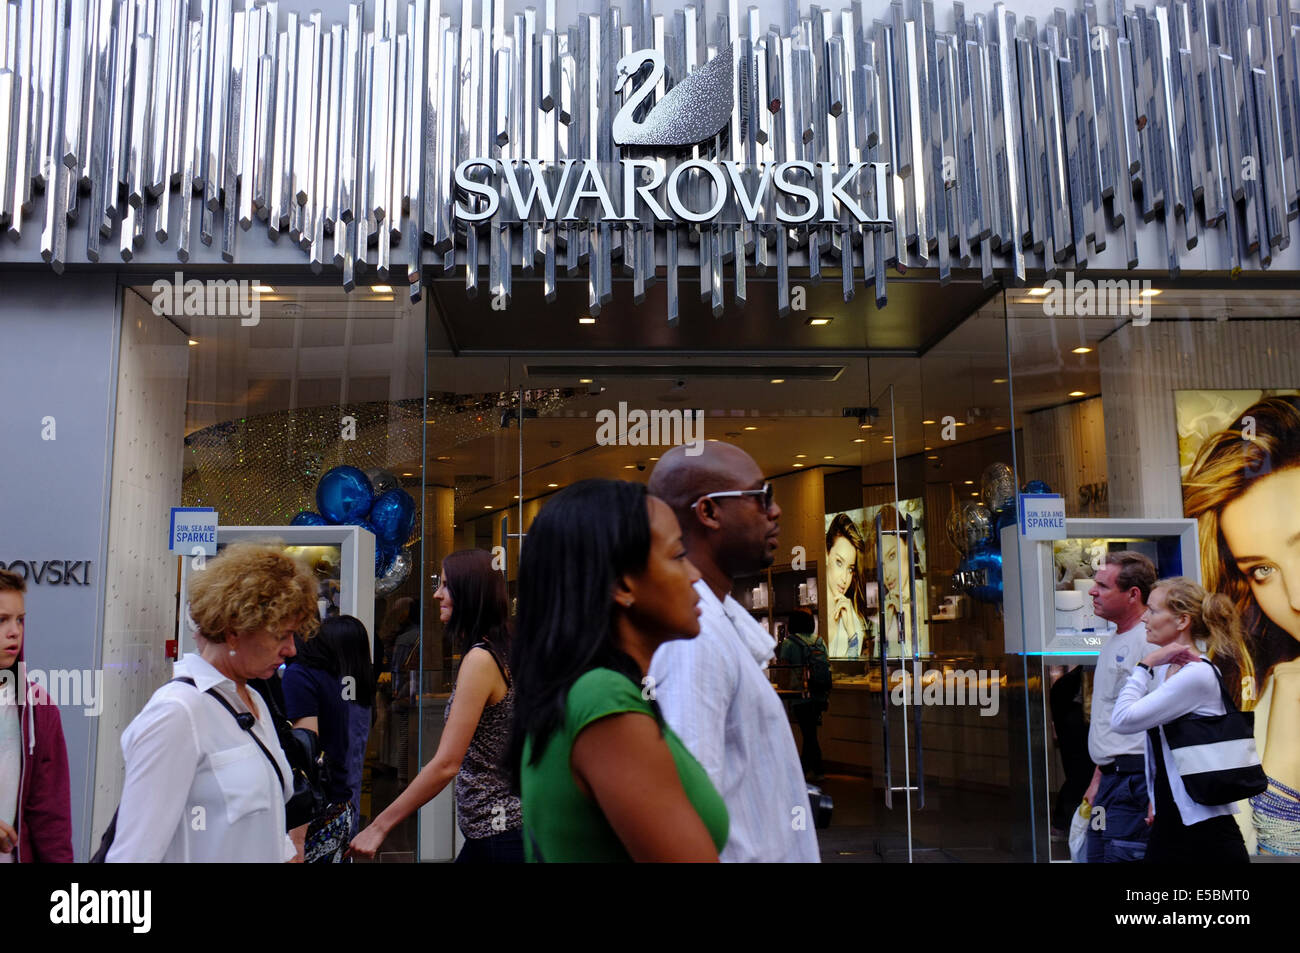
(472, 605)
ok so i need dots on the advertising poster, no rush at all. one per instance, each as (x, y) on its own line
(1239, 456)
(853, 600)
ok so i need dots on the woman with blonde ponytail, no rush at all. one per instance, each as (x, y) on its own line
(1166, 685)
(1244, 490)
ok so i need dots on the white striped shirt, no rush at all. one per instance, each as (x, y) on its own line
(714, 693)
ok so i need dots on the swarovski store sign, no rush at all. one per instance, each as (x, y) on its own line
(427, 138)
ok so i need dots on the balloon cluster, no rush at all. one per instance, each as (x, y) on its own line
(975, 529)
(374, 499)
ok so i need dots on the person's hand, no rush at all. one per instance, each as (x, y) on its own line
(366, 844)
(1174, 653)
(1151, 813)
(8, 838)
(839, 606)
(1090, 795)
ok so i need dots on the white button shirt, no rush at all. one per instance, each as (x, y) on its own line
(1146, 701)
(1115, 662)
(714, 693)
(198, 789)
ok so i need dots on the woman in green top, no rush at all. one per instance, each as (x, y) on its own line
(604, 581)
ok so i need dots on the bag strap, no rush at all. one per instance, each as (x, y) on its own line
(1229, 705)
(245, 720)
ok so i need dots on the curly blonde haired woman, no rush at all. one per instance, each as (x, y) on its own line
(1244, 489)
(206, 779)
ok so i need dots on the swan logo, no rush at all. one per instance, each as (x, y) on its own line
(697, 189)
(694, 110)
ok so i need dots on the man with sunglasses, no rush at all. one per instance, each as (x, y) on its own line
(714, 690)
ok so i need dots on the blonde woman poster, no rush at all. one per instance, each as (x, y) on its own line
(896, 552)
(1241, 480)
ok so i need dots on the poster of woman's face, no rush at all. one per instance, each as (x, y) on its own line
(1240, 463)
(847, 611)
(853, 612)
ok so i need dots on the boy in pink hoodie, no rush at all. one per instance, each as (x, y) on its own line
(35, 809)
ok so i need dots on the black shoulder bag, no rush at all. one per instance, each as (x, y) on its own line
(1215, 754)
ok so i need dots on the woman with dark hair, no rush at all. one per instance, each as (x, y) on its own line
(1244, 489)
(472, 605)
(846, 608)
(603, 581)
(329, 688)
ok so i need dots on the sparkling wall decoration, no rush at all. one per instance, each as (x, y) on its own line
(1035, 142)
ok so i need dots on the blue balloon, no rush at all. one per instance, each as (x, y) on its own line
(1035, 486)
(344, 495)
(308, 518)
(393, 517)
(985, 566)
(384, 556)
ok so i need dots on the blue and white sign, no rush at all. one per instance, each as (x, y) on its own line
(1042, 516)
(193, 530)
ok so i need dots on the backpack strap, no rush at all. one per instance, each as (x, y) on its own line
(245, 720)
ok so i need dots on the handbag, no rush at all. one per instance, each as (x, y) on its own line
(329, 836)
(1215, 754)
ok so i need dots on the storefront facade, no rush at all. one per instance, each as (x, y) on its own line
(885, 250)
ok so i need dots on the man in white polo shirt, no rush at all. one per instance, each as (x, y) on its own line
(1119, 832)
(714, 690)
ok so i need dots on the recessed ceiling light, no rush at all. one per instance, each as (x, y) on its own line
(442, 458)
(959, 423)
(886, 439)
(553, 485)
(859, 439)
(974, 494)
(629, 466)
(382, 289)
(829, 457)
(797, 465)
(933, 457)
(584, 380)
(800, 456)
(1039, 292)
(864, 426)
(999, 427)
(193, 343)
(586, 320)
(408, 474)
(1081, 350)
(969, 482)
(1149, 293)
(818, 322)
(927, 421)
(654, 458)
(1076, 393)
(999, 380)
(928, 449)
(516, 496)
(264, 289)
(487, 506)
(778, 380)
(751, 428)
